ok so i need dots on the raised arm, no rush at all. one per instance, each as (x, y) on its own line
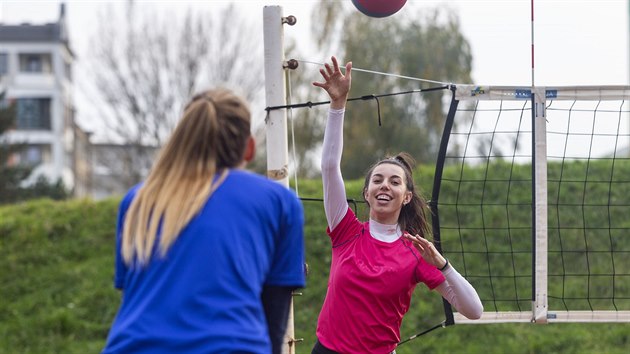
(337, 85)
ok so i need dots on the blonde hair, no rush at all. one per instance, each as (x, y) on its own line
(210, 138)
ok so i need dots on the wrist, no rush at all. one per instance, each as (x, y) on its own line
(338, 103)
(336, 111)
(442, 268)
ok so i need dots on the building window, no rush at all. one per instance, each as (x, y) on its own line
(68, 70)
(30, 156)
(4, 64)
(33, 114)
(35, 63)
(33, 156)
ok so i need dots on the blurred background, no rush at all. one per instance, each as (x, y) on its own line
(97, 85)
(89, 90)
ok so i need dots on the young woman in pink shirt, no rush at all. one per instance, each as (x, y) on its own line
(376, 264)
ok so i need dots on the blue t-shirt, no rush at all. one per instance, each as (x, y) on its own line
(204, 295)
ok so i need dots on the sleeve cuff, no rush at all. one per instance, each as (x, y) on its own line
(336, 111)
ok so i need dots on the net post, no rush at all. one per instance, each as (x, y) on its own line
(275, 95)
(539, 128)
(276, 121)
(435, 195)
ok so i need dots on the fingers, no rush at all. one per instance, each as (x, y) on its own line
(335, 67)
(427, 250)
(422, 242)
(335, 63)
(417, 242)
(326, 74)
(330, 72)
(326, 79)
(417, 238)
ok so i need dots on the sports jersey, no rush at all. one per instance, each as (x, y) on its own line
(204, 295)
(369, 289)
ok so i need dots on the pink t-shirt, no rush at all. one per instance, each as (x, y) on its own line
(369, 289)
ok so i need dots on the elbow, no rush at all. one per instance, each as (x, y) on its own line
(472, 310)
(328, 167)
(474, 313)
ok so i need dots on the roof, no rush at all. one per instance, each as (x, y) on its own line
(50, 32)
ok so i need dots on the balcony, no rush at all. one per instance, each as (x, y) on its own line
(38, 137)
(38, 81)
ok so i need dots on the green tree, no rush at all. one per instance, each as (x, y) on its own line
(146, 64)
(429, 46)
(12, 175)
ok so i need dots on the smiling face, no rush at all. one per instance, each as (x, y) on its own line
(386, 193)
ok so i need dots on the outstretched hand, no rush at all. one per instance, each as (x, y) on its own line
(336, 84)
(427, 250)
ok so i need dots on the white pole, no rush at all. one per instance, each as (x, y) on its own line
(539, 164)
(276, 122)
(275, 95)
(540, 303)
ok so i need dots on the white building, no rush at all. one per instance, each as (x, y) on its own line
(36, 74)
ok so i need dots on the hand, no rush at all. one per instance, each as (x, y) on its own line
(427, 250)
(336, 84)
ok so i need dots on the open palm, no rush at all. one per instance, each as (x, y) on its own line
(336, 84)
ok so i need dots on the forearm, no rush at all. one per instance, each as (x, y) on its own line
(335, 203)
(277, 304)
(460, 293)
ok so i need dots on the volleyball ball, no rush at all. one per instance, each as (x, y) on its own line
(379, 8)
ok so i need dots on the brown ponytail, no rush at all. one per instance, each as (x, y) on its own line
(413, 215)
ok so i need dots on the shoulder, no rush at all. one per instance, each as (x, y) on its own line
(244, 175)
(261, 184)
(128, 198)
(349, 224)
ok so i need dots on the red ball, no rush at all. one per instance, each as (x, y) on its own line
(379, 8)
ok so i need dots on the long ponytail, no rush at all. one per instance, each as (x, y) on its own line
(209, 139)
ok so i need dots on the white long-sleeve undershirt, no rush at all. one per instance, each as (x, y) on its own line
(455, 289)
(335, 202)
(459, 293)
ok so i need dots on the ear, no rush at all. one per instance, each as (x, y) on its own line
(250, 149)
(407, 198)
(365, 194)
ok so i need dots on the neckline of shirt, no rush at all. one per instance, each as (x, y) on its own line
(384, 232)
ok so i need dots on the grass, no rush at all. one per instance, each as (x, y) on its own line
(58, 297)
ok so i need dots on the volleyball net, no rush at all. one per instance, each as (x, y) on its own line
(531, 200)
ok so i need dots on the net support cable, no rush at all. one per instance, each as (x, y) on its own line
(310, 104)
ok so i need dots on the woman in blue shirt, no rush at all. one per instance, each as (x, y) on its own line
(207, 254)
